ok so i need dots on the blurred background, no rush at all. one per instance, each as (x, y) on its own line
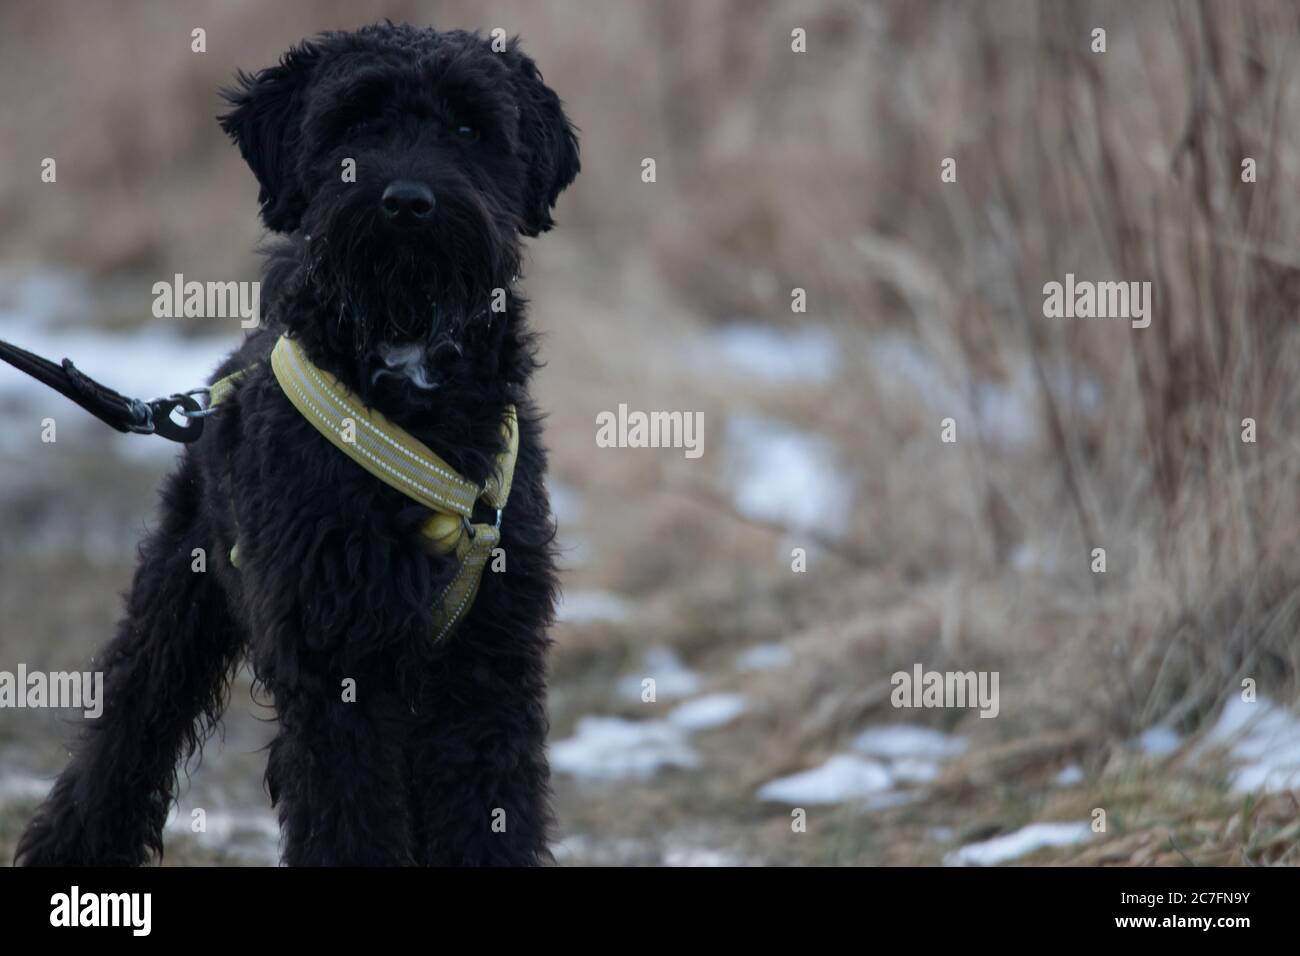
(776, 171)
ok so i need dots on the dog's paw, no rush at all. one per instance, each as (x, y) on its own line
(58, 836)
(45, 843)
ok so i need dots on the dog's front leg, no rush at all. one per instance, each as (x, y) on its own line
(480, 779)
(166, 674)
(334, 771)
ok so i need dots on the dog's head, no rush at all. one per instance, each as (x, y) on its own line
(408, 163)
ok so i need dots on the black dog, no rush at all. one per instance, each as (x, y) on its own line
(387, 282)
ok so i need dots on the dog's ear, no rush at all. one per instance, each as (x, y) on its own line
(547, 138)
(264, 124)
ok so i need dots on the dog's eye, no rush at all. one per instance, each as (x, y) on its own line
(467, 133)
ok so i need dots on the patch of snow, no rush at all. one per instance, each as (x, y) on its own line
(705, 713)
(1006, 412)
(629, 851)
(784, 475)
(611, 748)
(252, 834)
(1069, 776)
(1029, 557)
(566, 501)
(1158, 741)
(896, 741)
(764, 657)
(23, 786)
(600, 851)
(672, 678)
(842, 778)
(699, 856)
(1263, 740)
(1010, 846)
(586, 607)
(778, 355)
(896, 754)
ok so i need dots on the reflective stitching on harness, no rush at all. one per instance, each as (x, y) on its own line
(453, 479)
(324, 420)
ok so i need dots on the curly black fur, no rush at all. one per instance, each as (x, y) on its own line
(333, 581)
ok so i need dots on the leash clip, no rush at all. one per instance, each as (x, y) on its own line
(159, 421)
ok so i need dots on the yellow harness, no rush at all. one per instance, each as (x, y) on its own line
(401, 461)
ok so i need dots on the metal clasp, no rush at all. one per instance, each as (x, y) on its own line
(202, 412)
(158, 420)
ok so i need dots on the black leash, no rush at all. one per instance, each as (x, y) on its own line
(116, 410)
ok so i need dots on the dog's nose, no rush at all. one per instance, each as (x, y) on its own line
(406, 202)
